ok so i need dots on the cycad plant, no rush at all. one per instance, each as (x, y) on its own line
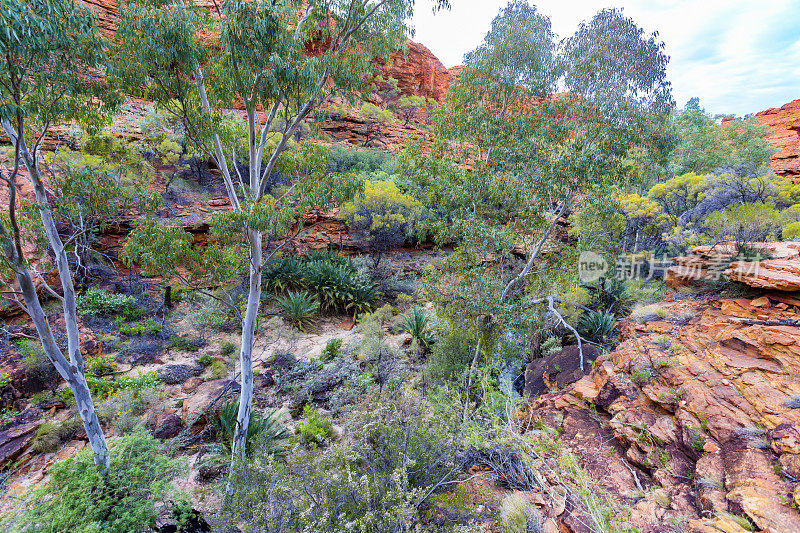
(416, 323)
(297, 308)
(597, 326)
(270, 433)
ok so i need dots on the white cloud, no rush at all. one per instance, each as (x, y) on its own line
(737, 56)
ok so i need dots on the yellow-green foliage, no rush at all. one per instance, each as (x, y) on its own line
(170, 151)
(743, 223)
(384, 212)
(372, 113)
(680, 193)
(791, 232)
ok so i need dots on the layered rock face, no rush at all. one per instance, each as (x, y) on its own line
(785, 136)
(773, 265)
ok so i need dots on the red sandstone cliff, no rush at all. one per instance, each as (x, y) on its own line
(785, 123)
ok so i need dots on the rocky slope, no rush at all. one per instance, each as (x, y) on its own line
(694, 418)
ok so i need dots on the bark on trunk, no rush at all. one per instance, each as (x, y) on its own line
(248, 336)
(71, 370)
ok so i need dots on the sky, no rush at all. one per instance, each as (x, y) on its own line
(738, 56)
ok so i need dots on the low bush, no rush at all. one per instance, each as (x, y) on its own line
(316, 430)
(597, 326)
(332, 350)
(205, 359)
(79, 497)
(374, 480)
(188, 344)
(227, 349)
(99, 302)
(51, 435)
(450, 357)
(219, 369)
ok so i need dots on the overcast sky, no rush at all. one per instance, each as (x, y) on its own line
(737, 56)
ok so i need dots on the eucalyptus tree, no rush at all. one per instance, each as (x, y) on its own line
(533, 151)
(50, 54)
(279, 60)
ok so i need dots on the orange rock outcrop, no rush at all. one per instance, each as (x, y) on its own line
(785, 125)
(705, 403)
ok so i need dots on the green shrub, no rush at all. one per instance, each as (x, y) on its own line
(270, 433)
(597, 326)
(316, 430)
(219, 369)
(518, 515)
(332, 350)
(228, 348)
(386, 215)
(187, 344)
(343, 160)
(297, 308)
(375, 480)
(147, 326)
(35, 362)
(611, 295)
(450, 357)
(205, 359)
(101, 365)
(79, 497)
(99, 302)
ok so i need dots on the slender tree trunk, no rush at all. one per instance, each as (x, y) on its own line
(71, 370)
(248, 336)
(74, 376)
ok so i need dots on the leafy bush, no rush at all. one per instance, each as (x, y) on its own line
(79, 497)
(268, 430)
(148, 326)
(188, 344)
(297, 308)
(99, 302)
(316, 430)
(227, 349)
(35, 362)
(597, 326)
(450, 357)
(365, 160)
(332, 350)
(416, 323)
(385, 214)
(375, 480)
(219, 369)
(205, 359)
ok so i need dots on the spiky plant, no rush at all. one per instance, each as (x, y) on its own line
(362, 298)
(597, 326)
(297, 308)
(267, 430)
(416, 323)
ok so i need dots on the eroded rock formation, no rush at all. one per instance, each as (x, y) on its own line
(785, 136)
(705, 404)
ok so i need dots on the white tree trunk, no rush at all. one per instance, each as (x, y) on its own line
(246, 354)
(73, 375)
(71, 370)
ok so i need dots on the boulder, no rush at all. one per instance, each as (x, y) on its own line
(166, 425)
(206, 393)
